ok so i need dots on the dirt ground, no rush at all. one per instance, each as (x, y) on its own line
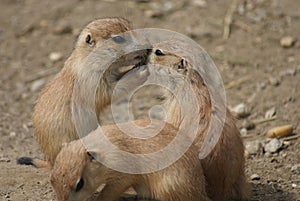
(32, 29)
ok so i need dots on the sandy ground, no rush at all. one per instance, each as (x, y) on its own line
(31, 29)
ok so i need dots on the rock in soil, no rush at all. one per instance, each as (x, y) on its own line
(55, 56)
(241, 110)
(287, 41)
(255, 177)
(296, 169)
(254, 147)
(273, 146)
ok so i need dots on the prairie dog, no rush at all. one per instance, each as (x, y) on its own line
(76, 174)
(52, 118)
(224, 167)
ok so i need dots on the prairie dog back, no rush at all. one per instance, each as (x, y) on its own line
(52, 118)
(182, 180)
(224, 167)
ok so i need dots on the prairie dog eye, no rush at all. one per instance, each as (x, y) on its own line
(158, 52)
(118, 39)
(79, 185)
(90, 41)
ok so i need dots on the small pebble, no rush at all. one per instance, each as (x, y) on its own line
(243, 132)
(55, 56)
(241, 9)
(12, 134)
(284, 155)
(291, 59)
(241, 110)
(142, 1)
(154, 14)
(246, 154)
(4, 159)
(255, 177)
(200, 3)
(294, 185)
(254, 147)
(287, 41)
(274, 81)
(286, 143)
(249, 125)
(261, 86)
(168, 6)
(37, 85)
(296, 169)
(288, 72)
(270, 113)
(273, 146)
(267, 154)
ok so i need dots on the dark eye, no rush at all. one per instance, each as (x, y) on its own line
(159, 53)
(79, 185)
(118, 39)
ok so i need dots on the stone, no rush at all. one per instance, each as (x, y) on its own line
(288, 72)
(254, 147)
(4, 159)
(296, 169)
(12, 134)
(243, 132)
(255, 177)
(200, 3)
(55, 56)
(287, 41)
(274, 81)
(37, 85)
(273, 146)
(241, 110)
(270, 113)
(249, 125)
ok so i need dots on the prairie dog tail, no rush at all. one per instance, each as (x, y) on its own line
(36, 162)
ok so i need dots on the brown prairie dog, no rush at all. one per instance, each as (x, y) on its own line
(224, 167)
(52, 117)
(76, 174)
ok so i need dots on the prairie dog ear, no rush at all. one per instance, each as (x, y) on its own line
(90, 40)
(182, 65)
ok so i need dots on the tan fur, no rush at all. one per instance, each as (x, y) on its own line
(52, 118)
(181, 181)
(224, 167)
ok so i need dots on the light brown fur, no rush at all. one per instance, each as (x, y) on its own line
(224, 167)
(181, 181)
(52, 118)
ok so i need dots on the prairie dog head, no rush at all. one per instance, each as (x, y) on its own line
(168, 54)
(108, 46)
(76, 175)
(97, 31)
(168, 59)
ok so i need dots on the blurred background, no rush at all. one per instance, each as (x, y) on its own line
(254, 43)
